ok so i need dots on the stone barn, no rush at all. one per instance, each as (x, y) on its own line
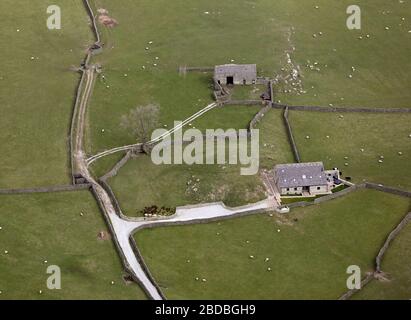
(234, 74)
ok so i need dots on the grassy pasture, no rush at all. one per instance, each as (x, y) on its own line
(396, 265)
(377, 134)
(382, 71)
(49, 227)
(202, 35)
(274, 145)
(227, 117)
(141, 183)
(205, 44)
(308, 257)
(37, 94)
(182, 35)
(104, 165)
(184, 96)
(381, 78)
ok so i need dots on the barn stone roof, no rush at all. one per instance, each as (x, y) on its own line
(236, 68)
(300, 175)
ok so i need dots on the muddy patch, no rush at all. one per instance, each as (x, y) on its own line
(128, 279)
(105, 19)
(103, 236)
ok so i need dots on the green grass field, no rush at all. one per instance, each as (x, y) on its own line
(381, 77)
(378, 135)
(203, 43)
(308, 257)
(140, 62)
(37, 96)
(396, 265)
(382, 73)
(227, 117)
(274, 145)
(247, 92)
(37, 93)
(141, 183)
(48, 227)
(103, 165)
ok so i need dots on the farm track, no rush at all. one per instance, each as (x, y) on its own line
(114, 221)
(80, 167)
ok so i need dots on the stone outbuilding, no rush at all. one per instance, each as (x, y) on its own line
(235, 74)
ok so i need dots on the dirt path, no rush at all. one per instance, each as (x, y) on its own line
(80, 125)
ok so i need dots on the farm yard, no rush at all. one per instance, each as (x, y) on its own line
(312, 58)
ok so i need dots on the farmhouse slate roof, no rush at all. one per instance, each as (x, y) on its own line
(236, 68)
(300, 175)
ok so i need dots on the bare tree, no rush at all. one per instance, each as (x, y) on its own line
(142, 121)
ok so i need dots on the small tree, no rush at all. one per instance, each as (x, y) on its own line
(142, 121)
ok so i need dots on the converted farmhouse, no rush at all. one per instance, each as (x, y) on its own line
(308, 179)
